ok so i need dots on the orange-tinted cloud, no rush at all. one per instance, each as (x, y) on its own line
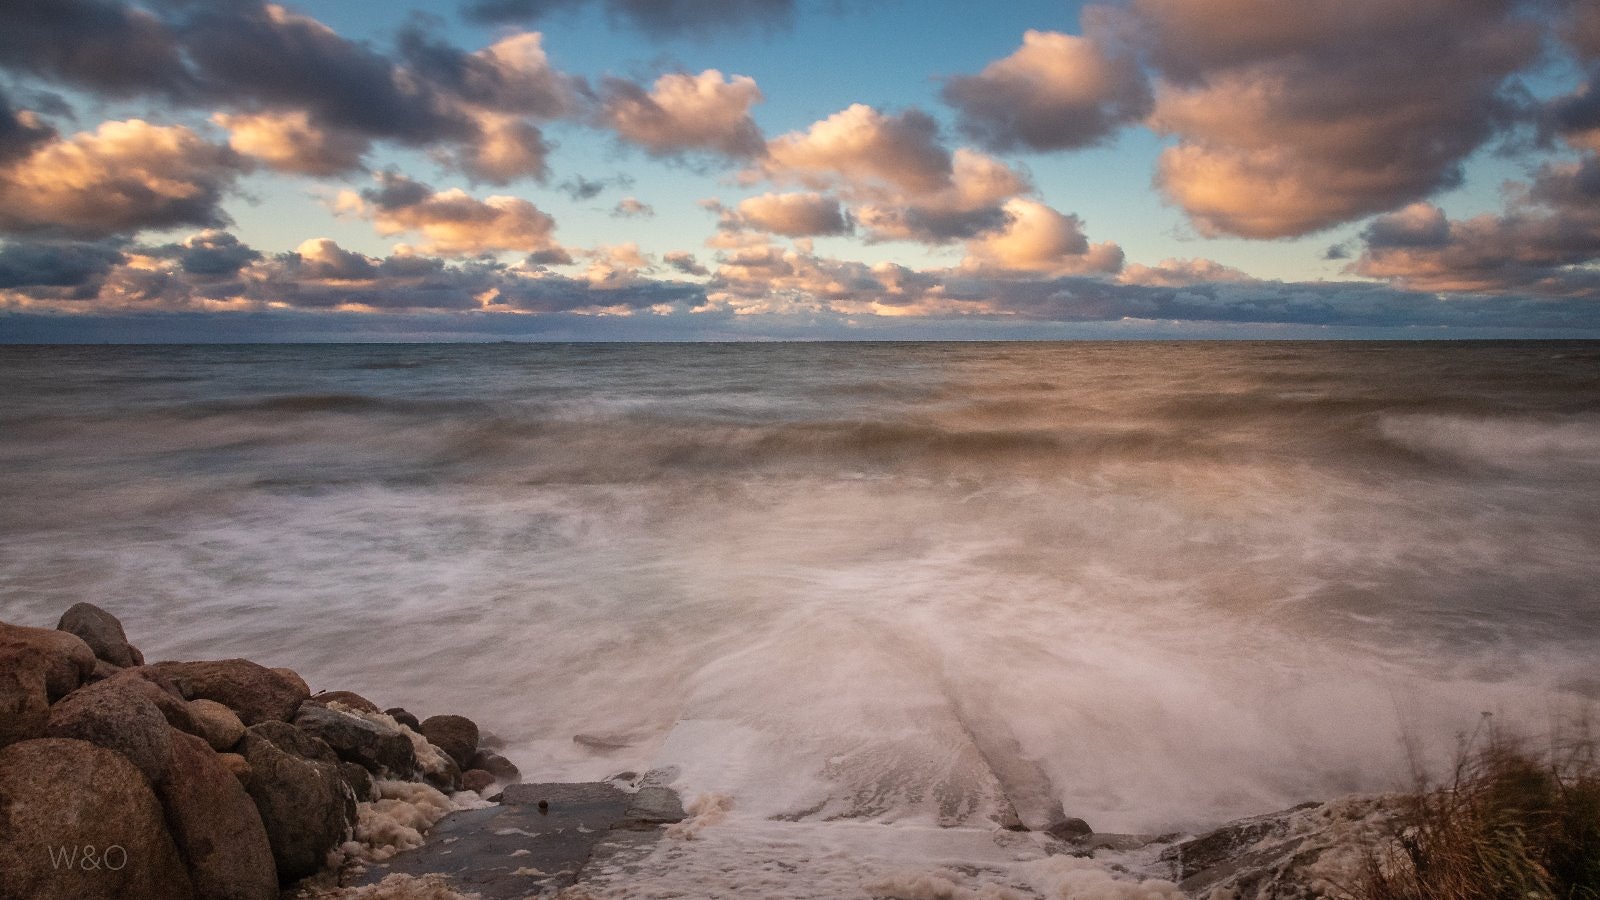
(1039, 239)
(1057, 91)
(1292, 117)
(1181, 273)
(452, 222)
(864, 146)
(683, 113)
(794, 215)
(290, 142)
(121, 178)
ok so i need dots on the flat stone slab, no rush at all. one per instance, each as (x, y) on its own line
(520, 848)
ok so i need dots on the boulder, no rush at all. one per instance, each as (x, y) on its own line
(117, 717)
(446, 776)
(360, 781)
(293, 678)
(495, 764)
(1069, 829)
(347, 698)
(216, 723)
(79, 821)
(24, 703)
(63, 659)
(237, 765)
(476, 780)
(103, 670)
(256, 693)
(216, 826)
(455, 735)
(157, 690)
(295, 742)
(404, 718)
(102, 632)
(378, 748)
(306, 807)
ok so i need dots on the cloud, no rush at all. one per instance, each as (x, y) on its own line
(684, 113)
(683, 261)
(861, 145)
(121, 178)
(1285, 128)
(1181, 273)
(512, 75)
(1037, 238)
(970, 202)
(290, 142)
(210, 254)
(794, 215)
(452, 222)
(631, 208)
(651, 16)
(1545, 243)
(110, 47)
(65, 269)
(21, 131)
(1056, 92)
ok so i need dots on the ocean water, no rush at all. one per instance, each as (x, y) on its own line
(1156, 586)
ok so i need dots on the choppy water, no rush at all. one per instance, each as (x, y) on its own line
(1164, 584)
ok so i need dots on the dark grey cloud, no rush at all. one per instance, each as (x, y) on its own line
(110, 47)
(670, 16)
(68, 269)
(520, 85)
(20, 133)
(210, 254)
(683, 261)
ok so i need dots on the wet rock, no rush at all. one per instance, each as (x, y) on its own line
(294, 679)
(455, 735)
(305, 806)
(216, 723)
(488, 740)
(602, 743)
(79, 821)
(295, 742)
(360, 781)
(102, 632)
(62, 659)
(254, 692)
(404, 718)
(476, 780)
(347, 698)
(117, 717)
(495, 764)
(446, 776)
(377, 748)
(215, 824)
(1069, 829)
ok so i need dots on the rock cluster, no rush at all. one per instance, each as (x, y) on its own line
(218, 779)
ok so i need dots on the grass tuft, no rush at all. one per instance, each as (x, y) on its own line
(1513, 823)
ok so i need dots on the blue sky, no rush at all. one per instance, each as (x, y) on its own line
(788, 168)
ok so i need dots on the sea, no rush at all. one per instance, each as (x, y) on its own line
(891, 588)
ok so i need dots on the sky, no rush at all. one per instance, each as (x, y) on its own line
(233, 170)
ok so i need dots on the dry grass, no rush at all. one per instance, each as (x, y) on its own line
(1512, 822)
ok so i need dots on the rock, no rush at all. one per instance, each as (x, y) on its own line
(293, 678)
(405, 718)
(157, 690)
(24, 703)
(79, 821)
(117, 717)
(63, 659)
(295, 742)
(102, 632)
(103, 670)
(447, 777)
(347, 698)
(306, 807)
(360, 781)
(237, 765)
(495, 764)
(455, 735)
(216, 723)
(254, 692)
(216, 826)
(1070, 829)
(476, 780)
(378, 748)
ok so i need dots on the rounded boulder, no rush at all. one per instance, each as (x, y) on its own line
(455, 735)
(254, 692)
(216, 826)
(102, 632)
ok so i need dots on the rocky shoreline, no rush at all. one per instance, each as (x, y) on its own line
(229, 780)
(207, 779)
